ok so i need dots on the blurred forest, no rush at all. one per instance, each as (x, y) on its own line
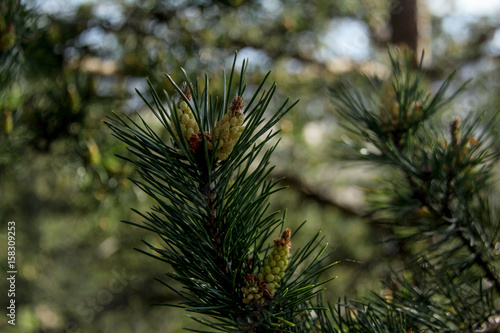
(65, 65)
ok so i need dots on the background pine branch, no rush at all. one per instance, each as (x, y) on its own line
(436, 204)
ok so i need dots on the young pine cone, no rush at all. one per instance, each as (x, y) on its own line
(275, 265)
(264, 285)
(227, 131)
(189, 126)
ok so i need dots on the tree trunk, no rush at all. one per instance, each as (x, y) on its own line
(403, 23)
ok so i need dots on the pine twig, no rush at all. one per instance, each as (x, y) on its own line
(309, 191)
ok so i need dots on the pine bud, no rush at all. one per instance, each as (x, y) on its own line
(196, 139)
(276, 263)
(186, 90)
(472, 141)
(390, 106)
(454, 127)
(188, 124)
(424, 211)
(266, 282)
(392, 114)
(254, 290)
(417, 108)
(186, 118)
(228, 130)
(469, 142)
(461, 146)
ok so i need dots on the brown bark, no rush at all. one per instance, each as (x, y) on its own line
(403, 23)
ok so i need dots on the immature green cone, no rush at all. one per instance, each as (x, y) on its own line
(189, 126)
(264, 285)
(275, 265)
(227, 131)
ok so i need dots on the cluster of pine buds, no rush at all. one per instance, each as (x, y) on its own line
(390, 112)
(462, 145)
(264, 285)
(226, 133)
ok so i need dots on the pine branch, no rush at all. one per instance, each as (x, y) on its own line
(211, 186)
(445, 215)
(437, 205)
(309, 191)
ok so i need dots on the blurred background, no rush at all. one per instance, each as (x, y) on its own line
(66, 64)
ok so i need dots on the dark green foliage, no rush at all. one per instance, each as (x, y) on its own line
(67, 191)
(17, 27)
(359, 317)
(212, 215)
(437, 205)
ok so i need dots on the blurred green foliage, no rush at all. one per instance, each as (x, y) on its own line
(65, 65)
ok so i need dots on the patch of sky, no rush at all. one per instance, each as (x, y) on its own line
(131, 83)
(494, 45)
(194, 17)
(60, 8)
(345, 37)
(257, 59)
(458, 26)
(111, 12)
(489, 8)
(271, 8)
(98, 39)
(294, 66)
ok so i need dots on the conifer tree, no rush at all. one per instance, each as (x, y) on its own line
(17, 24)
(438, 203)
(210, 183)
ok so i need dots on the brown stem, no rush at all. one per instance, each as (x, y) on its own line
(478, 260)
(309, 191)
(446, 215)
(212, 227)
